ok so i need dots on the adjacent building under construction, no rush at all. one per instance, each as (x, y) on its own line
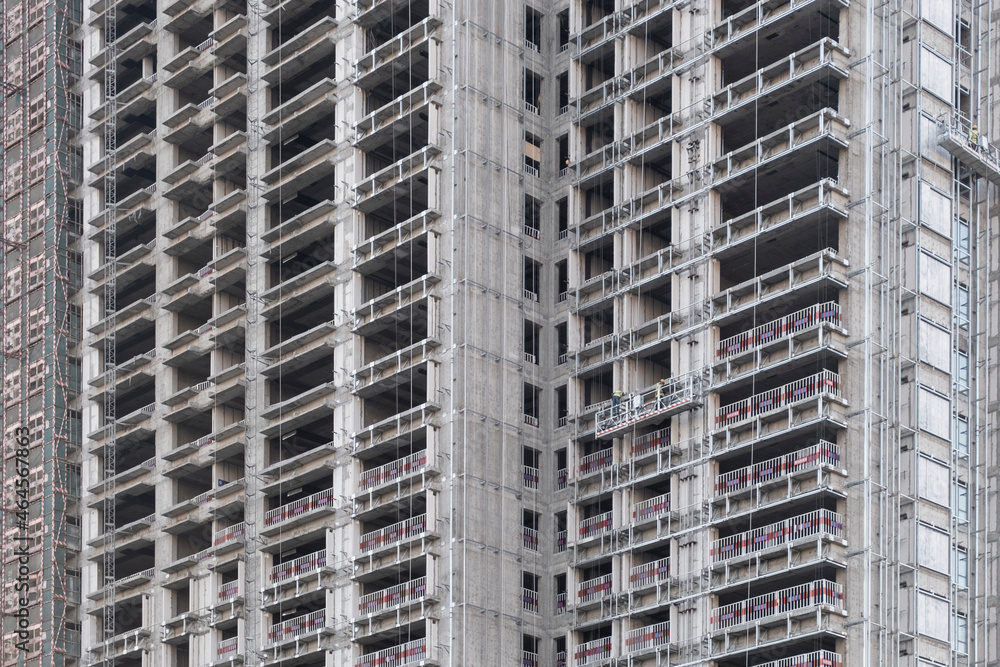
(450, 332)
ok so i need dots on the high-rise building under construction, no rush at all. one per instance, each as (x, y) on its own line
(467, 333)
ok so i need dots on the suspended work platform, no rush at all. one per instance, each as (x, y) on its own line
(677, 395)
(982, 157)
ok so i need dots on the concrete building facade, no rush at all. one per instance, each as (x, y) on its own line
(448, 332)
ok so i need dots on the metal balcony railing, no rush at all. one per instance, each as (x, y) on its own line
(302, 565)
(560, 603)
(816, 593)
(397, 532)
(561, 541)
(651, 442)
(593, 589)
(529, 538)
(782, 532)
(649, 573)
(409, 591)
(781, 328)
(529, 659)
(529, 600)
(593, 651)
(301, 506)
(599, 460)
(529, 477)
(229, 591)
(595, 525)
(775, 399)
(227, 647)
(649, 636)
(393, 470)
(562, 478)
(297, 626)
(651, 508)
(814, 659)
(820, 454)
(229, 534)
(395, 656)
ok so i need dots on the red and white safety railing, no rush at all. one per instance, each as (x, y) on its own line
(593, 651)
(298, 626)
(599, 460)
(820, 454)
(561, 659)
(529, 538)
(228, 647)
(778, 329)
(228, 534)
(308, 504)
(771, 535)
(561, 537)
(649, 573)
(397, 532)
(395, 656)
(651, 508)
(651, 442)
(814, 659)
(593, 589)
(649, 636)
(595, 525)
(803, 596)
(302, 565)
(529, 600)
(229, 591)
(560, 603)
(562, 478)
(529, 659)
(676, 394)
(387, 598)
(393, 470)
(824, 382)
(529, 477)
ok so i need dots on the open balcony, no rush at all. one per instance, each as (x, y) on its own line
(819, 270)
(313, 623)
(778, 400)
(649, 574)
(393, 471)
(776, 607)
(392, 598)
(779, 469)
(814, 659)
(818, 63)
(288, 573)
(393, 535)
(299, 511)
(308, 48)
(592, 652)
(593, 590)
(784, 329)
(818, 524)
(404, 654)
(596, 526)
(648, 638)
(396, 54)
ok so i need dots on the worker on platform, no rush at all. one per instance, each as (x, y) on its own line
(616, 402)
(974, 138)
(660, 388)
